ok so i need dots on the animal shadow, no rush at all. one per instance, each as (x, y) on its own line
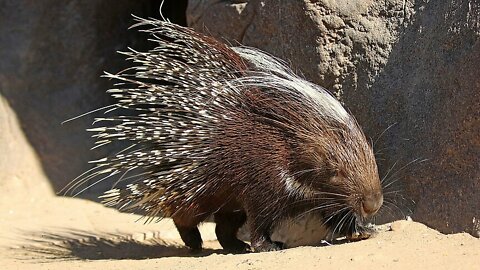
(84, 245)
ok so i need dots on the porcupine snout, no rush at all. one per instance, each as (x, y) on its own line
(371, 203)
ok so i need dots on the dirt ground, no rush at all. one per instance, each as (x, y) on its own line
(42, 231)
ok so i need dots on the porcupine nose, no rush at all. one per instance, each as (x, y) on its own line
(371, 203)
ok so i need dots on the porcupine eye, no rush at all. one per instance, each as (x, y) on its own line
(338, 185)
(337, 178)
(326, 179)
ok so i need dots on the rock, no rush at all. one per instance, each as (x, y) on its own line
(53, 54)
(408, 63)
(20, 171)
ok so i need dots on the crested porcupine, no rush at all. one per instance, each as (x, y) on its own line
(233, 132)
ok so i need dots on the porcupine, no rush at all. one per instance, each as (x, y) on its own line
(233, 132)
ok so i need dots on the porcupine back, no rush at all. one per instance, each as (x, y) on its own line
(182, 95)
(170, 104)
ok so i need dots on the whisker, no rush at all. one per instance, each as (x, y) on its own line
(417, 161)
(341, 222)
(392, 181)
(383, 132)
(387, 209)
(398, 208)
(317, 208)
(388, 172)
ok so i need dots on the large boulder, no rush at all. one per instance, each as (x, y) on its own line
(408, 65)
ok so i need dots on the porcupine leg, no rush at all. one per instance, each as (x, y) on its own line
(188, 230)
(227, 225)
(260, 231)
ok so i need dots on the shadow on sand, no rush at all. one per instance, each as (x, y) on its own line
(67, 244)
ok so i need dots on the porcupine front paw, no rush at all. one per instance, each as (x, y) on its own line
(226, 231)
(264, 245)
(236, 246)
(363, 232)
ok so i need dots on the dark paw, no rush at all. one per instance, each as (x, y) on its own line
(268, 246)
(237, 246)
(195, 250)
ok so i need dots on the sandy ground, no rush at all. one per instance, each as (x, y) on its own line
(65, 233)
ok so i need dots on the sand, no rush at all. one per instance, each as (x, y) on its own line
(49, 232)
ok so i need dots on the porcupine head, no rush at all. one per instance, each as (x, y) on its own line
(230, 132)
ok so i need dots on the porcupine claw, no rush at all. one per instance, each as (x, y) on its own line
(269, 246)
(362, 233)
